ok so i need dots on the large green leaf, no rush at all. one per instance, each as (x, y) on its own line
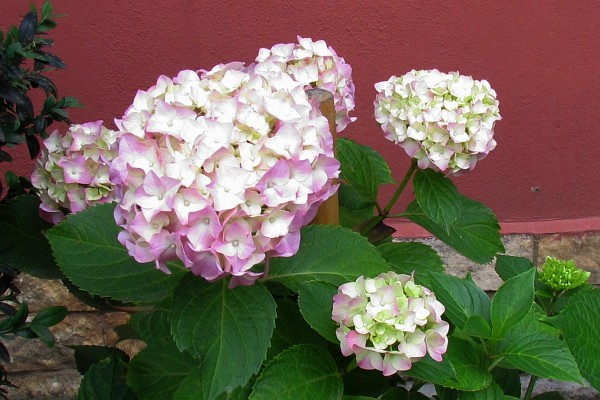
(492, 392)
(466, 359)
(228, 329)
(509, 380)
(87, 251)
(509, 266)
(461, 298)
(292, 329)
(315, 299)
(409, 257)
(330, 254)
(540, 354)
(437, 196)
(512, 302)
(86, 356)
(362, 168)
(21, 230)
(475, 234)
(156, 372)
(104, 381)
(303, 372)
(429, 370)
(153, 326)
(579, 323)
(354, 209)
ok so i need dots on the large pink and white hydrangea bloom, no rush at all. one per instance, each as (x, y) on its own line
(315, 65)
(72, 172)
(389, 322)
(443, 120)
(220, 169)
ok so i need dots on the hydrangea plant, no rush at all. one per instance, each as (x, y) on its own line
(443, 120)
(219, 172)
(389, 322)
(72, 172)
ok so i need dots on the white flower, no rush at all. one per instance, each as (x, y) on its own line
(445, 121)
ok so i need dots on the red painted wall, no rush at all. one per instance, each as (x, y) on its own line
(542, 57)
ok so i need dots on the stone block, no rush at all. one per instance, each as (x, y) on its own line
(45, 385)
(42, 293)
(484, 275)
(583, 248)
(76, 329)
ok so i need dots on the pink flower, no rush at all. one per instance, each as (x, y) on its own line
(389, 322)
(72, 172)
(313, 64)
(220, 169)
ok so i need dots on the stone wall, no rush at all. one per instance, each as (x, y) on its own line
(43, 373)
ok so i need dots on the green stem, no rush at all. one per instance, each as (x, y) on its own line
(532, 381)
(351, 365)
(409, 173)
(383, 214)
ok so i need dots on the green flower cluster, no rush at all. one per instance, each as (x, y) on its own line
(562, 274)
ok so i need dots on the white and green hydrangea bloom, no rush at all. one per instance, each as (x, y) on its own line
(443, 120)
(389, 322)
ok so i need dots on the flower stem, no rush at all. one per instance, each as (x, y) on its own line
(532, 381)
(401, 186)
(383, 214)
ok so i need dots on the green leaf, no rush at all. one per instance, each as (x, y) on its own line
(153, 326)
(476, 326)
(539, 354)
(43, 334)
(291, 329)
(400, 393)
(21, 229)
(156, 372)
(437, 196)
(579, 322)
(492, 392)
(86, 356)
(358, 169)
(429, 370)
(303, 372)
(512, 302)
(349, 199)
(466, 359)
(461, 298)
(87, 251)
(104, 381)
(228, 329)
(191, 387)
(509, 380)
(46, 9)
(362, 382)
(330, 254)
(315, 299)
(50, 316)
(509, 266)
(406, 257)
(354, 210)
(475, 234)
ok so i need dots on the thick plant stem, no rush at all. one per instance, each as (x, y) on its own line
(532, 381)
(383, 214)
(398, 192)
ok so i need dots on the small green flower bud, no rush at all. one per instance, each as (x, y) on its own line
(562, 274)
